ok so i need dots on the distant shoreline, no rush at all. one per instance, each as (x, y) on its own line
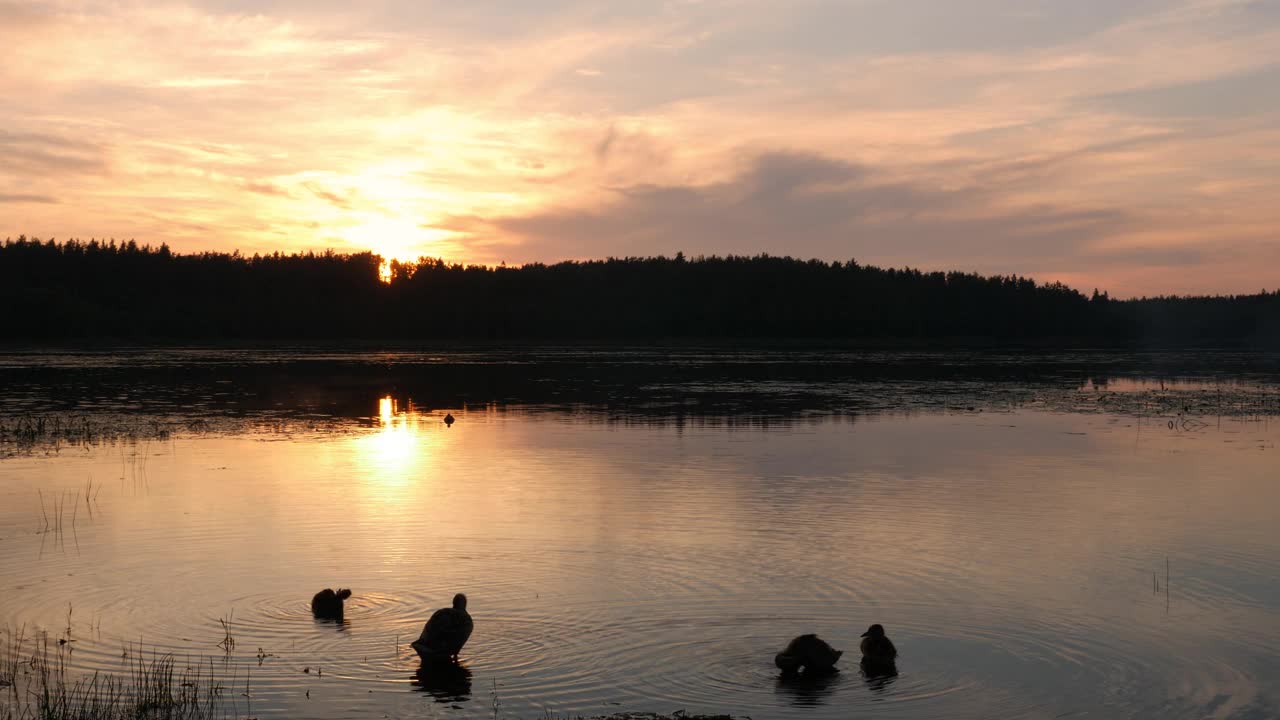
(723, 345)
(105, 295)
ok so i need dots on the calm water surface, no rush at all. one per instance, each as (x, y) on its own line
(617, 561)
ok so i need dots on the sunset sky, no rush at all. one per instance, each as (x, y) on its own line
(1128, 145)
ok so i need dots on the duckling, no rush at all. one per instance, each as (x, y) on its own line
(327, 604)
(446, 632)
(809, 652)
(877, 648)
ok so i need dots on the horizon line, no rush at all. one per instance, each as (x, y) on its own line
(385, 263)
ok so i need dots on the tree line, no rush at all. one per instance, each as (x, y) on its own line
(77, 290)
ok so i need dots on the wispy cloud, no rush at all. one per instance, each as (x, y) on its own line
(1253, 92)
(35, 152)
(810, 205)
(21, 198)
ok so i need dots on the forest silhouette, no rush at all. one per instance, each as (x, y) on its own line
(95, 290)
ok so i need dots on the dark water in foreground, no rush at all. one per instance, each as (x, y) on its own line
(646, 538)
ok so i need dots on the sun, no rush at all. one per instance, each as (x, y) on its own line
(395, 238)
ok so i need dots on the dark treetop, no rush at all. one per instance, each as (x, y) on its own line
(76, 290)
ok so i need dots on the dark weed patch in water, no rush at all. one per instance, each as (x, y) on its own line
(83, 399)
(1180, 409)
(50, 431)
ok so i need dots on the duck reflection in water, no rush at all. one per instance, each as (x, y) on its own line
(809, 688)
(444, 679)
(878, 677)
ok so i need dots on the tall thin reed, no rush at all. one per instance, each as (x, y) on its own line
(40, 686)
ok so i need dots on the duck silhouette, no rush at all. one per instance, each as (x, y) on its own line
(327, 604)
(878, 652)
(446, 632)
(809, 652)
(448, 419)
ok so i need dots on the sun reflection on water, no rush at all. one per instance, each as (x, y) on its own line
(397, 453)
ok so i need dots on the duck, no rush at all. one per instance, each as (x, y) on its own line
(809, 652)
(877, 648)
(448, 419)
(327, 604)
(446, 632)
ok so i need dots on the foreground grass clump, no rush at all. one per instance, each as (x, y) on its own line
(37, 684)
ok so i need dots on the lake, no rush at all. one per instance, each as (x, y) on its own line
(1042, 535)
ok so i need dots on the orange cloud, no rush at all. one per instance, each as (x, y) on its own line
(1120, 146)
